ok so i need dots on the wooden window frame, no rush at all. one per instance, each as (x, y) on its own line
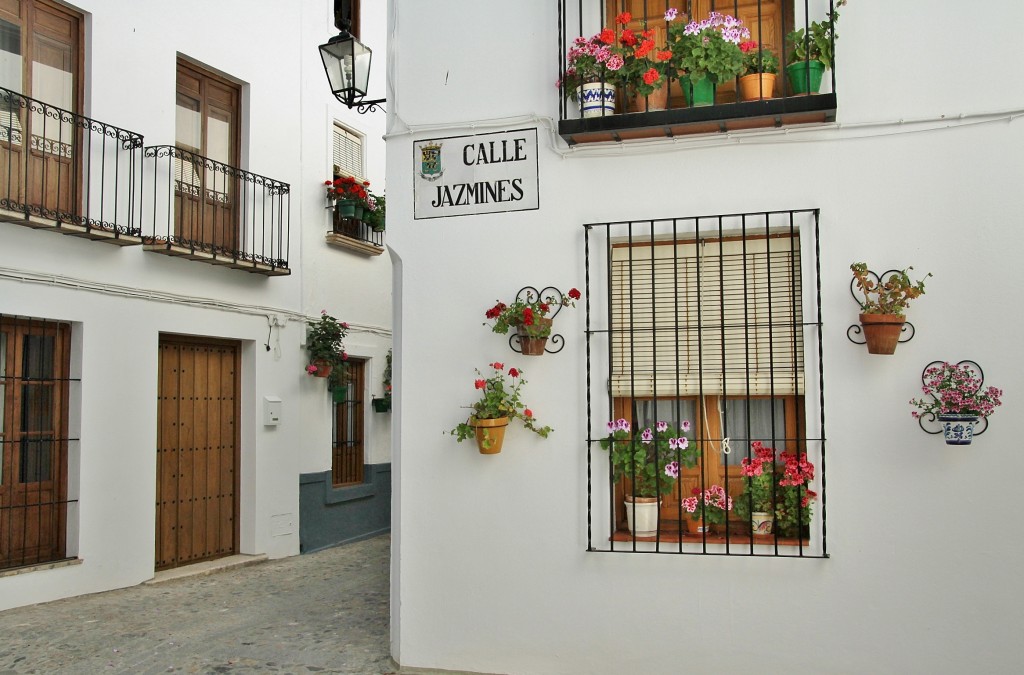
(348, 454)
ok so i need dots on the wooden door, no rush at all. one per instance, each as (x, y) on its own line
(33, 441)
(207, 189)
(197, 451)
(347, 456)
(40, 45)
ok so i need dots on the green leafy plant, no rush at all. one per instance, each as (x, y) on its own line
(889, 295)
(387, 378)
(326, 347)
(525, 313)
(499, 397)
(758, 59)
(708, 48)
(374, 215)
(817, 42)
(650, 460)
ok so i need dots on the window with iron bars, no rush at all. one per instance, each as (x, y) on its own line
(347, 456)
(34, 440)
(704, 379)
(737, 104)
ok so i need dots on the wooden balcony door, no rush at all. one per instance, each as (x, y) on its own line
(197, 450)
(40, 57)
(34, 362)
(206, 191)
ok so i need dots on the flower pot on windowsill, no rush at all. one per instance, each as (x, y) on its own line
(642, 515)
(882, 332)
(381, 405)
(490, 434)
(598, 99)
(761, 523)
(346, 208)
(699, 93)
(805, 76)
(657, 100)
(757, 86)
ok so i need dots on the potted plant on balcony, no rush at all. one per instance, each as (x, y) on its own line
(348, 196)
(884, 301)
(499, 403)
(760, 65)
(383, 404)
(529, 316)
(956, 399)
(650, 462)
(812, 53)
(646, 68)
(591, 73)
(374, 212)
(708, 52)
(324, 342)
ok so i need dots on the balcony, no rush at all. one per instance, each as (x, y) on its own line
(66, 173)
(210, 212)
(355, 235)
(770, 24)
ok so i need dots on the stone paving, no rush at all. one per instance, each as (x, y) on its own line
(325, 612)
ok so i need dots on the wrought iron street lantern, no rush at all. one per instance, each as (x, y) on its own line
(347, 63)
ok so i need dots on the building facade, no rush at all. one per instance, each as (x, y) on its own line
(164, 241)
(712, 246)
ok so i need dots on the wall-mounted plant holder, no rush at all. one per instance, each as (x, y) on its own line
(957, 428)
(880, 332)
(521, 342)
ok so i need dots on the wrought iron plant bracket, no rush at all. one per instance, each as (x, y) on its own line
(981, 425)
(528, 294)
(855, 331)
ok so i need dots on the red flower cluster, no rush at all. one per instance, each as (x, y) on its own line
(495, 312)
(748, 46)
(798, 470)
(624, 18)
(527, 317)
(347, 188)
(574, 294)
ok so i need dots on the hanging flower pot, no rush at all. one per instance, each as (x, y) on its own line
(958, 429)
(533, 345)
(382, 405)
(642, 515)
(489, 434)
(882, 332)
(322, 369)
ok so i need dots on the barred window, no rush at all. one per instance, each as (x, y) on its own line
(710, 323)
(347, 456)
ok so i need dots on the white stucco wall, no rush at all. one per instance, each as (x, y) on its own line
(121, 299)
(490, 572)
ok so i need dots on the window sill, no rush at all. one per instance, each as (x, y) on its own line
(356, 245)
(776, 112)
(670, 535)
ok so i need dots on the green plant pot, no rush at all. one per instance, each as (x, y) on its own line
(703, 91)
(382, 405)
(345, 208)
(357, 211)
(805, 76)
(338, 394)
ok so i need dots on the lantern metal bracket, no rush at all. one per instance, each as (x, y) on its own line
(981, 425)
(856, 330)
(530, 294)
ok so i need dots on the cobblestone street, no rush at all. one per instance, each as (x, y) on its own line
(324, 612)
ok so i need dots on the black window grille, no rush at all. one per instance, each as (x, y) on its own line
(35, 386)
(347, 455)
(704, 348)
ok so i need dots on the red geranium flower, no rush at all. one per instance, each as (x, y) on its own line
(623, 18)
(480, 384)
(498, 365)
(607, 36)
(628, 38)
(651, 76)
(574, 294)
(527, 317)
(513, 372)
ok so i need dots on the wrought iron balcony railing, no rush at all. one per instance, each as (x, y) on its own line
(68, 173)
(770, 22)
(354, 234)
(208, 211)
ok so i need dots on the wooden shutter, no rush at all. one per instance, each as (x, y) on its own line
(710, 317)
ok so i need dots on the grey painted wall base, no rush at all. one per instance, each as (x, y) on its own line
(329, 516)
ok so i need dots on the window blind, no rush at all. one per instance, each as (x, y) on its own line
(714, 317)
(348, 152)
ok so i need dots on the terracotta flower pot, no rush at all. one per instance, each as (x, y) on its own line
(882, 332)
(530, 345)
(489, 434)
(323, 369)
(757, 86)
(658, 100)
